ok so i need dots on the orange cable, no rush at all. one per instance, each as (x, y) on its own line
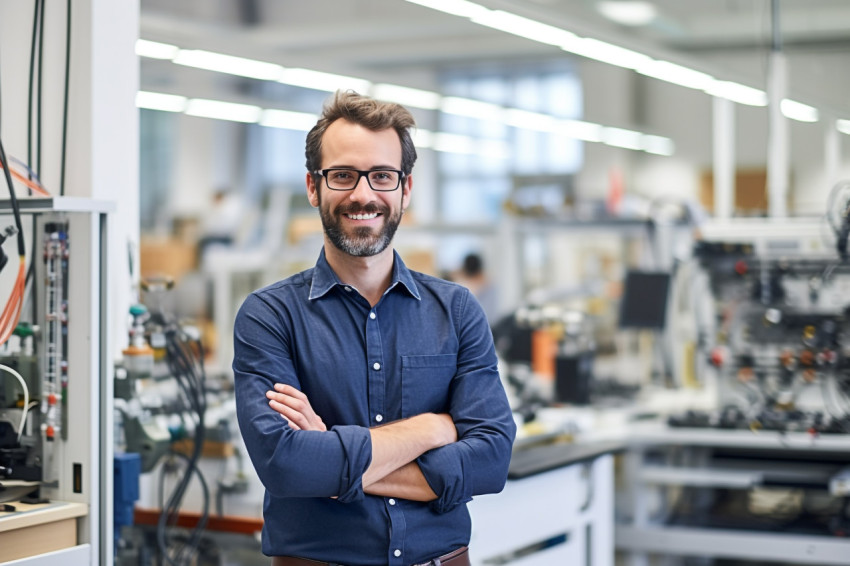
(34, 185)
(12, 310)
(12, 306)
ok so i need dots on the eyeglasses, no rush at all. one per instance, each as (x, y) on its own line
(341, 179)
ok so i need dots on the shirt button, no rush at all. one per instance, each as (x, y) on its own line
(396, 553)
(376, 365)
(392, 501)
(379, 418)
(372, 315)
(348, 289)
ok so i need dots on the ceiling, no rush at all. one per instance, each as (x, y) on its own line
(404, 43)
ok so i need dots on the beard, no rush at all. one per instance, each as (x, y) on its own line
(360, 242)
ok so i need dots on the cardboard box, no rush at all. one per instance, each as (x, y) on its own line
(167, 257)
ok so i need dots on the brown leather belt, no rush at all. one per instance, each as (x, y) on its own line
(459, 557)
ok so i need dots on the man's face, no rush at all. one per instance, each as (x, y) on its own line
(360, 222)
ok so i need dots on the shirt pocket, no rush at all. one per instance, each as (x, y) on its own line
(425, 383)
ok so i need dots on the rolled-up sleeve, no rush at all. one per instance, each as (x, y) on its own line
(290, 463)
(478, 462)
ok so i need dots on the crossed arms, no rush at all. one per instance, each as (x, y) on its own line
(444, 460)
(393, 471)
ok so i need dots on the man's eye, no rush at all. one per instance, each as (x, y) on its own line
(342, 175)
(384, 177)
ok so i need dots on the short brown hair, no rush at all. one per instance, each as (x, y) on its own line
(369, 113)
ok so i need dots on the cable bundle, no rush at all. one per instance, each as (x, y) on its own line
(35, 72)
(184, 356)
(12, 311)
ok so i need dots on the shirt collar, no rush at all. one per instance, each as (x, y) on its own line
(324, 279)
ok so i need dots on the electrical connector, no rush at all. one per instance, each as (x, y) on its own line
(8, 231)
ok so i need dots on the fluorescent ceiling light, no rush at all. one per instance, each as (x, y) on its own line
(155, 50)
(223, 110)
(460, 8)
(618, 137)
(454, 143)
(531, 120)
(301, 121)
(578, 129)
(524, 27)
(159, 101)
(606, 52)
(676, 74)
(798, 111)
(843, 126)
(628, 12)
(737, 92)
(466, 145)
(471, 108)
(658, 145)
(415, 97)
(228, 64)
(318, 80)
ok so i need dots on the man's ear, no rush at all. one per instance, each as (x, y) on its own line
(406, 189)
(312, 190)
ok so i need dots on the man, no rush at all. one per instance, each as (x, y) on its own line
(367, 394)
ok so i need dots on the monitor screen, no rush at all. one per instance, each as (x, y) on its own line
(644, 303)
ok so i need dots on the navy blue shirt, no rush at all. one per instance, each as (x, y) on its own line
(425, 347)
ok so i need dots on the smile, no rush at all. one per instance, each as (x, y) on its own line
(363, 216)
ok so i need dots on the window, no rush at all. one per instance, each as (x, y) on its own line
(474, 184)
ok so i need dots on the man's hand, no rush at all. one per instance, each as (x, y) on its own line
(445, 430)
(295, 407)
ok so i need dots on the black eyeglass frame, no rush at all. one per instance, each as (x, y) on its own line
(360, 175)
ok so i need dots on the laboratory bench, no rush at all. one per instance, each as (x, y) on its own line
(623, 480)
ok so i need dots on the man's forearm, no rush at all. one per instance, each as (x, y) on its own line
(407, 482)
(400, 443)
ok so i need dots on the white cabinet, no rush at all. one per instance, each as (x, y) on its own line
(563, 516)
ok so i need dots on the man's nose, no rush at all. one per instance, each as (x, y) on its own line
(362, 191)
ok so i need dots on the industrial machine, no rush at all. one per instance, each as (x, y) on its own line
(53, 439)
(780, 349)
(174, 418)
(760, 476)
(38, 360)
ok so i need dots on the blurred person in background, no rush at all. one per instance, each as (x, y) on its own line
(221, 225)
(472, 276)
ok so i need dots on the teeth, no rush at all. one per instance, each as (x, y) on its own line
(363, 216)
